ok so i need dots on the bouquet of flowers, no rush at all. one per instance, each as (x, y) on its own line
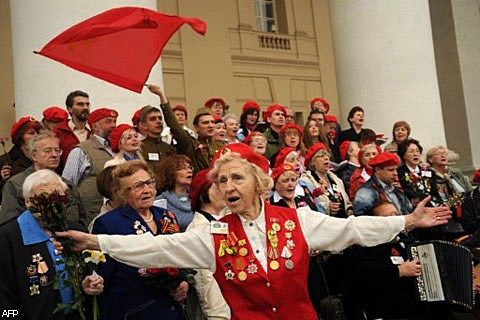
(50, 209)
(167, 278)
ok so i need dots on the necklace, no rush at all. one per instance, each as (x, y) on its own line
(149, 220)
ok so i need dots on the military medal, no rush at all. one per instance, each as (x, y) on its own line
(243, 251)
(252, 268)
(274, 265)
(31, 270)
(43, 280)
(289, 225)
(287, 254)
(229, 275)
(34, 289)
(242, 276)
(276, 226)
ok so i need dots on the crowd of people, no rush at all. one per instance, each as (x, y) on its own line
(270, 220)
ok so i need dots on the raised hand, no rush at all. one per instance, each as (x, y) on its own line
(423, 217)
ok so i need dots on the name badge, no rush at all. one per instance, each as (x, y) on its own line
(218, 227)
(427, 174)
(153, 157)
(397, 259)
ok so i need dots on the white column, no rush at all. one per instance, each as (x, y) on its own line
(385, 63)
(41, 82)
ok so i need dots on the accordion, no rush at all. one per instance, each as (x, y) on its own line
(447, 273)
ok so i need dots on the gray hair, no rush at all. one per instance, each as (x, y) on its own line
(32, 144)
(434, 149)
(39, 178)
(230, 116)
(265, 183)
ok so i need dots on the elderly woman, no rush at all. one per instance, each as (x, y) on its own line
(417, 182)
(259, 254)
(231, 125)
(208, 205)
(248, 119)
(125, 142)
(127, 293)
(363, 174)
(30, 263)
(17, 158)
(256, 140)
(219, 130)
(285, 180)
(333, 196)
(175, 175)
(400, 133)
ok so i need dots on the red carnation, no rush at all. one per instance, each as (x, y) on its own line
(317, 192)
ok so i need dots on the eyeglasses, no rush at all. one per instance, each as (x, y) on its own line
(139, 185)
(49, 151)
(259, 140)
(414, 152)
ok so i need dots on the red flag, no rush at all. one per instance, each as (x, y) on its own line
(119, 45)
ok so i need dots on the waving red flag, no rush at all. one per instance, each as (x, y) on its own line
(119, 45)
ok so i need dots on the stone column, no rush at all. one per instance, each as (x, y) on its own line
(385, 62)
(41, 82)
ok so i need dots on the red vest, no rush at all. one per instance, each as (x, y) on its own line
(281, 294)
(68, 140)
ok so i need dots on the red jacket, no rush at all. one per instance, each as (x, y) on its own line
(68, 141)
(281, 294)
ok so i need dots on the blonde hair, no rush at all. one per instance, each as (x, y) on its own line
(264, 182)
(434, 149)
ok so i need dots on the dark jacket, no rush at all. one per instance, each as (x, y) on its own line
(17, 160)
(126, 292)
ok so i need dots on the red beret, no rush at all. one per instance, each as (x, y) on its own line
(100, 114)
(179, 107)
(136, 117)
(330, 118)
(384, 159)
(279, 170)
(245, 152)
(325, 103)
(20, 123)
(55, 114)
(116, 135)
(251, 105)
(282, 154)
(344, 150)
(273, 108)
(292, 126)
(251, 135)
(476, 177)
(199, 183)
(210, 101)
(312, 151)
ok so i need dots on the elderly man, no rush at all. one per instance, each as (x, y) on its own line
(45, 153)
(381, 187)
(88, 159)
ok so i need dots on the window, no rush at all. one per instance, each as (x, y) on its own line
(265, 15)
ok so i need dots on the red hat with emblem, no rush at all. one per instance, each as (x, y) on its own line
(21, 125)
(292, 126)
(325, 103)
(282, 155)
(317, 146)
(476, 177)
(330, 118)
(210, 101)
(251, 105)
(55, 114)
(245, 152)
(179, 107)
(280, 169)
(116, 135)
(136, 117)
(200, 182)
(384, 159)
(99, 114)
